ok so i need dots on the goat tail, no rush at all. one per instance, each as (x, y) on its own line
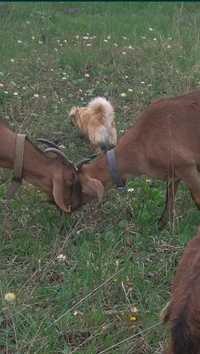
(103, 106)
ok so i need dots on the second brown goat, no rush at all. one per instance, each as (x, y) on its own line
(164, 143)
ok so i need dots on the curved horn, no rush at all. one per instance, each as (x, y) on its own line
(59, 153)
(86, 160)
(48, 143)
(56, 151)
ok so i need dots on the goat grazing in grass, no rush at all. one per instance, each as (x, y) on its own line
(183, 311)
(164, 143)
(55, 176)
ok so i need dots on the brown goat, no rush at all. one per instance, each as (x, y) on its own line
(55, 176)
(183, 312)
(164, 143)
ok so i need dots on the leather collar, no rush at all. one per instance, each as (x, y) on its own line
(112, 163)
(19, 157)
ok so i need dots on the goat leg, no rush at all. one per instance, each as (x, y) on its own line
(169, 210)
(191, 177)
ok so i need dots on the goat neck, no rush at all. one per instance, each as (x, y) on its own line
(36, 165)
(129, 162)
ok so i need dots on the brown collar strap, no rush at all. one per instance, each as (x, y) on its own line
(19, 157)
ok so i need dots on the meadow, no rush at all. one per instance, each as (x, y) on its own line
(78, 278)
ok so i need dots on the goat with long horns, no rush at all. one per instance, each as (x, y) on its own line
(49, 170)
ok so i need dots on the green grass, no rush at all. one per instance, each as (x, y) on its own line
(53, 56)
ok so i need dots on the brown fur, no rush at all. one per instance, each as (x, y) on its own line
(55, 176)
(183, 314)
(96, 122)
(164, 143)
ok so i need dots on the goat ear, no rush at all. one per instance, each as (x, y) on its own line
(93, 187)
(58, 195)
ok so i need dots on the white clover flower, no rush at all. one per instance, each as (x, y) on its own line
(15, 93)
(105, 40)
(6, 92)
(169, 46)
(130, 90)
(51, 69)
(88, 45)
(115, 45)
(130, 47)
(33, 38)
(124, 53)
(85, 37)
(19, 41)
(150, 29)
(109, 37)
(87, 75)
(12, 60)
(65, 41)
(24, 88)
(148, 180)
(64, 78)
(126, 76)
(77, 313)
(131, 190)
(123, 94)
(154, 39)
(40, 42)
(149, 85)
(142, 82)
(10, 297)
(124, 37)
(28, 22)
(1, 85)
(36, 95)
(61, 257)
